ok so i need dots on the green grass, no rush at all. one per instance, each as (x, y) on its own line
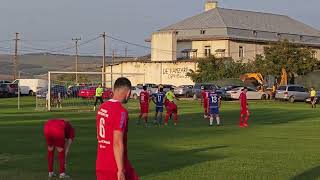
(283, 142)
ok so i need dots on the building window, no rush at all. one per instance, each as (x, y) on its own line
(207, 51)
(203, 32)
(279, 35)
(177, 32)
(255, 33)
(301, 38)
(241, 52)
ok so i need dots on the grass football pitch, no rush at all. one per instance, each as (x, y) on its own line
(283, 142)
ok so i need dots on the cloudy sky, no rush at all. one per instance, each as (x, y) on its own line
(51, 24)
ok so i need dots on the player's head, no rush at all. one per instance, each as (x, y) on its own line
(312, 88)
(144, 88)
(122, 89)
(172, 88)
(245, 89)
(213, 89)
(99, 85)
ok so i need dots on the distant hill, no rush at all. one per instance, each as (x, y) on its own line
(37, 64)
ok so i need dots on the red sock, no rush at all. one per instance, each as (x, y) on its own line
(241, 119)
(175, 117)
(246, 120)
(146, 119)
(167, 118)
(61, 161)
(50, 160)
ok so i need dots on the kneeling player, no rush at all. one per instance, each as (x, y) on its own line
(59, 134)
(214, 102)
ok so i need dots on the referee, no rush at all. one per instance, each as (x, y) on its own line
(99, 92)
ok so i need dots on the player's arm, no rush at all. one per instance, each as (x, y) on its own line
(118, 149)
(220, 101)
(67, 147)
(201, 100)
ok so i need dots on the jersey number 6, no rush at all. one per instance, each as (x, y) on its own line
(102, 131)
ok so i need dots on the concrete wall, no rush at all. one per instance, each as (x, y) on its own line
(153, 72)
(250, 50)
(164, 46)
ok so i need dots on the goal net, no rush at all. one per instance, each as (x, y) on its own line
(77, 90)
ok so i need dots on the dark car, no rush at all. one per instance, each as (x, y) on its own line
(10, 89)
(5, 82)
(184, 90)
(73, 91)
(196, 91)
(224, 90)
(3, 92)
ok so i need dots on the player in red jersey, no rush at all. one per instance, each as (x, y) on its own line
(144, 106)
(59, 134)
(244, 114)
(112, 128)
(204, 101)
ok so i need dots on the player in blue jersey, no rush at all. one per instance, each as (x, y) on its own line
(214, 103)
(158, 99)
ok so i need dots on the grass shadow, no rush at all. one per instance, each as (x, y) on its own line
(313, 173)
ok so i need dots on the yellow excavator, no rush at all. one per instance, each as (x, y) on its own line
(258, 80)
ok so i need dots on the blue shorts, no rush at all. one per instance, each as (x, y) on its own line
(214, 111)
(159, 109)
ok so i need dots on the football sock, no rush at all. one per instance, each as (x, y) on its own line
(211, 121)
(218, 120)
(50, 160)
(61, 157)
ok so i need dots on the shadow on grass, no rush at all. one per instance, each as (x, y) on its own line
(313, 173)
(158, 160)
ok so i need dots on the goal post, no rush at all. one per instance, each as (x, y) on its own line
(63, 93)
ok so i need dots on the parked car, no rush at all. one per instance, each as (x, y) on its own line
(292, 93)
(10, 89)
(196, 91)
(184, 90)
(90, 92)
(56, 91)
(5, 82)
(308, 100)
(30, 86)
(3, 92)
(252, 94)
(153, 88)
(135, 92)
(224, 90)
(73, 91)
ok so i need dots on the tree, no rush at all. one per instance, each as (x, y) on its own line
(296, 59)
(212, 69)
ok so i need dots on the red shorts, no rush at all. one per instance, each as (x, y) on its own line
(172, 107)
(205, 106)
(54, 136)
(244, 112)
(110, 175)
(144, 109)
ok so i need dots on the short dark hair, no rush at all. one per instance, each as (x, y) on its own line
(161, 89)
(244, 88)
(122, 82)
(144, 87)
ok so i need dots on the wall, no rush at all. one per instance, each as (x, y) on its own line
(164, 46)
(250, 50)
(154, 72)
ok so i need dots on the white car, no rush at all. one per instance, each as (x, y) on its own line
(251, 94)
(30, 86)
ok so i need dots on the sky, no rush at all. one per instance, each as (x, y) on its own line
(50, 25)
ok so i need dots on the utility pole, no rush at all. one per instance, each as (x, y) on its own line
(76, 40)
(15, 57)
(111, 70)
(125, 52)
(104, 59)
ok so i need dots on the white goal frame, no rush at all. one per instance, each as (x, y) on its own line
(103, 75)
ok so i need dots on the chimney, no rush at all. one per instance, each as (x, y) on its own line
(210, 4)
